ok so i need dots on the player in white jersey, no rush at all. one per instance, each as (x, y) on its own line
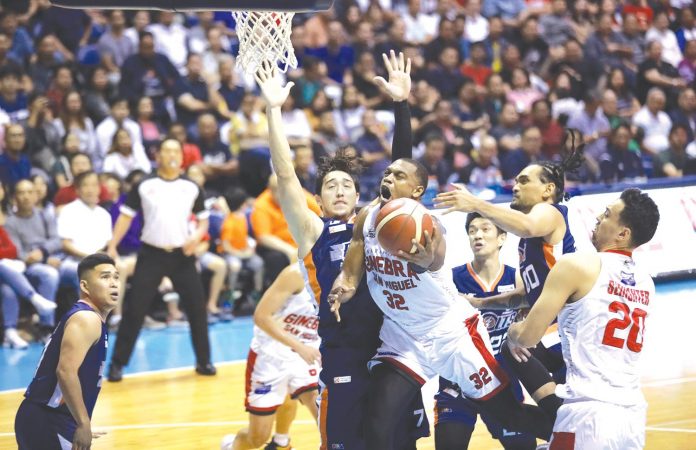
(602, 301)
(283, 359)
(427, 331)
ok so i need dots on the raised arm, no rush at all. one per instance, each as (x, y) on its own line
(399, 88)
(305, 226)
(541, 221)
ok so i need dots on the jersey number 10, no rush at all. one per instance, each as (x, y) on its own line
(635, 319)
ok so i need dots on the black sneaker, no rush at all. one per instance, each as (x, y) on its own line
(115, 372)
(207, 369)
(274, 446)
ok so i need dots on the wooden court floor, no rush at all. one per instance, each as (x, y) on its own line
(177, 410)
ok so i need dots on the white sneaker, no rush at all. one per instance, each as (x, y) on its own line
(13, 340)
(227, 442)
(42, 304)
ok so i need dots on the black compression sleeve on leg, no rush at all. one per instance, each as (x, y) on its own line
(390, 394)
(532, 374)
(453, 435)
(516, 416)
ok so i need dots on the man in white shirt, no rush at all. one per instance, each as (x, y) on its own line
(171, 39)
(476, 27)
(655, 122)
(83, 226)
(107, 128)
(420, 28)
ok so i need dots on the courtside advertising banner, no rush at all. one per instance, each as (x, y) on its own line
(673, 249)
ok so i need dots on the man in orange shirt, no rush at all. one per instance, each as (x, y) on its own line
(275, 243)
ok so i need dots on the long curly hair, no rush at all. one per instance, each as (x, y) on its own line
(573, 157)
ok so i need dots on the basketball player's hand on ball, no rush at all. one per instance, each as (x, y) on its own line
(399, 85)
(459, 199)
(272, 91)
(424, 255)
(310, 355)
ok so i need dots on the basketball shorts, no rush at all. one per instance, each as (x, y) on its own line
(591, 424)
(270, 379)
(345, 382)
(38, 427)
(451, 406)
(460, 352)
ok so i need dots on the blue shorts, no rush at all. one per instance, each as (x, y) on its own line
(38, 427)
(451, 406)
(344, 387)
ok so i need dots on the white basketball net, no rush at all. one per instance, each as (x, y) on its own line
(264, 36)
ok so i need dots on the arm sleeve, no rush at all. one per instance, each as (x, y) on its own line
(402, 144)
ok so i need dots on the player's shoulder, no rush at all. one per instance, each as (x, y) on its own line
(509, 270)
(84, 321)
(582, 262)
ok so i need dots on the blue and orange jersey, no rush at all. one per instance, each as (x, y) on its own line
(537, 257)
(361, 319)
(44, 388)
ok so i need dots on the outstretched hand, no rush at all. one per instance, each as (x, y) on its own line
(272, 91)
(340, 293)
(459, 199)
(399, 71)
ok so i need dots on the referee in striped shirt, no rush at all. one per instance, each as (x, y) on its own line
(166, 200)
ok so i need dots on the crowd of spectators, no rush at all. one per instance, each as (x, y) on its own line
(86, 97)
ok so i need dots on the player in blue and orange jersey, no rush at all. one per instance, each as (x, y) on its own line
(485, 276)
(57, 408)
(536, 216)
(346, 346)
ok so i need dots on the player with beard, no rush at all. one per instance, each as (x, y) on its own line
(603, 301)
(347, 346)
(429, 331)
(536, 216)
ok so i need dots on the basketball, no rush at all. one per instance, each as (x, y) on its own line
(401, 220)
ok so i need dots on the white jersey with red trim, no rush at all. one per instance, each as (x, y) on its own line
(299, 317)
(602, 334)
(418, 302)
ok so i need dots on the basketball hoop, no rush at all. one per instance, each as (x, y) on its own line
(264, 36)
(263, 26)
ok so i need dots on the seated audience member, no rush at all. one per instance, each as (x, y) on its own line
(34, 234)
(655, 123)
(119, 119)
(207, 260)
(15, 284)
(275, 243)
(121, 158)
(83, 226)
(238, 247)
(621, 162)
(79, 163)
(672, 161)
(14, 162)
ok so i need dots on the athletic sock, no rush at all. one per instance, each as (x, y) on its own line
(281, 439)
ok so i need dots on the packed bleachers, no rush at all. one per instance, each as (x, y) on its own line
(495, 83)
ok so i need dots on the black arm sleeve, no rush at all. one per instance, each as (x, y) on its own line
(402, 143)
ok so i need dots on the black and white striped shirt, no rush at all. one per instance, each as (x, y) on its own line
(166, 206)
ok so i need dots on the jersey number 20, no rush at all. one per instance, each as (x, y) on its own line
(635, 319)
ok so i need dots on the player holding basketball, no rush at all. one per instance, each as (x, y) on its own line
(284, 358)
(602, 301)
(427, 330)
(57, 409)
(347, 346)
(536, 216)
(483, 277)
